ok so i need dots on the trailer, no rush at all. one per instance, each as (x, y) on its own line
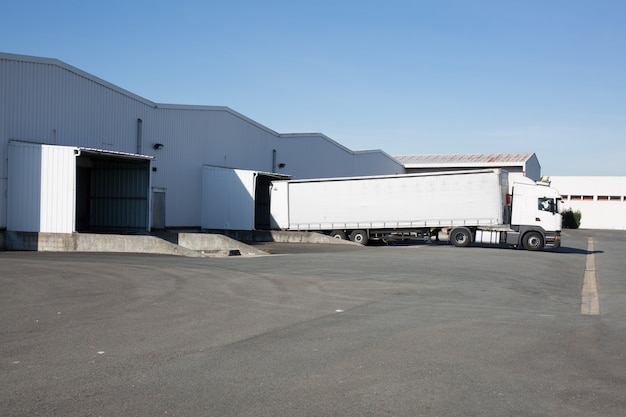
(469, 206)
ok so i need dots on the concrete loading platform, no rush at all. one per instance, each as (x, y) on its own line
(181, 243)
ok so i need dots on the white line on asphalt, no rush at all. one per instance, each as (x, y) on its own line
(590, 302)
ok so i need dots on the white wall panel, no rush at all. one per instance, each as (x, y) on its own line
(228, 198)
(601, 200)
(58, 194)
(610, 215)
(41, 188)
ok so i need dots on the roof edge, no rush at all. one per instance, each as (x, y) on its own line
(346, 149)
(111, 86)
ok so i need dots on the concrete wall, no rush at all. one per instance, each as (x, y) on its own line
(601, 200)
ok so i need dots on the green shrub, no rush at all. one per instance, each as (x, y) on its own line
(571, 219)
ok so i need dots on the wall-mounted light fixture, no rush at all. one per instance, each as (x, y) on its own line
(157, 146)
(281, 165)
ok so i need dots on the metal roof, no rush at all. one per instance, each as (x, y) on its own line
(461, 160)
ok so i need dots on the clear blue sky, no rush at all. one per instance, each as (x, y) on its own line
(407, 77)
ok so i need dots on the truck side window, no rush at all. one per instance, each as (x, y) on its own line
(546, 204)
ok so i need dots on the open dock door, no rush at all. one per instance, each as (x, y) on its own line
(236, 199)
(112, 191)
(66, 189)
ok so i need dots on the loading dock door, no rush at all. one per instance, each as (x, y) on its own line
(236, 199)
(62, 189)
(112, 191)
(227, 198)
(262, 202)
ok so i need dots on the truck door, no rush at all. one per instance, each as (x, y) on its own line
(534, 205)
(546, 207)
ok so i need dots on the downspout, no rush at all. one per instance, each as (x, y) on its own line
(139, 132)
(274, 160)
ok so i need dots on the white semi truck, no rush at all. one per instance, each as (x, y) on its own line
(470, 206)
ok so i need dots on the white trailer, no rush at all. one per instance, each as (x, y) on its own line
(471, 206)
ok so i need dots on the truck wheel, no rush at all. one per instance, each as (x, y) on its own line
(338, 234)
(461, 237)
(533, 241)
(359, 236)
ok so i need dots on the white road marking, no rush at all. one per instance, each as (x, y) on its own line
(590, 301)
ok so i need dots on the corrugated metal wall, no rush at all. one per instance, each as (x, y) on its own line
(53, 105)
(24, 191)
(47, 101)
(118, 195)
(193, 138)
(3, 203)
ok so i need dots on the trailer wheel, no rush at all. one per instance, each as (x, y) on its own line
(359, 236)
(533, 241)
(338, 234)
(461, 237)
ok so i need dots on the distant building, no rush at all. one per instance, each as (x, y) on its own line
(600, 200)
(524, 163)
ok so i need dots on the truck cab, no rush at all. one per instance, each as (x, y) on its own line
(535, 215)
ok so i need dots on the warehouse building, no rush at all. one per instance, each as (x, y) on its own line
(80, 154)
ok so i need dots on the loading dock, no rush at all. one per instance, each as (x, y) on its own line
(236, 199)
(112, 191)
(65, 189)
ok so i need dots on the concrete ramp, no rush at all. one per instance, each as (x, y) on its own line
(90, 242)
(167, 243)
(209, 243)
(180, 244)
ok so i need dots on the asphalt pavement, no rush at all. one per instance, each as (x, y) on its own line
(316, 330)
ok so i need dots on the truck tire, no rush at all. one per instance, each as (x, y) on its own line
(533, 241)
(359, 236)
(461, 237)
(338, 234)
